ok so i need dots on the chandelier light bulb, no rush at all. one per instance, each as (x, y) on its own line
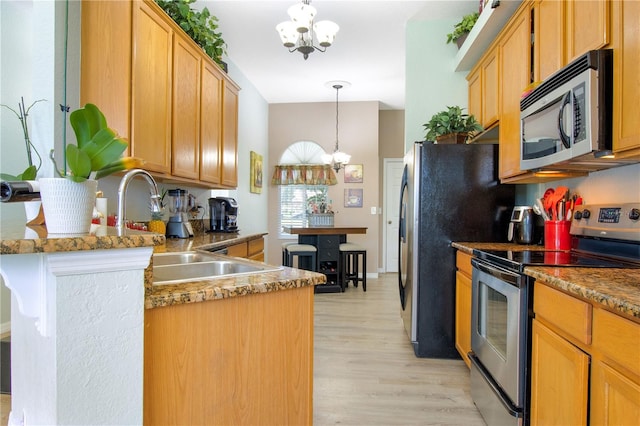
(302, 35)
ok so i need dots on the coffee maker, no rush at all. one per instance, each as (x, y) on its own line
(178, 225)
(223, 214)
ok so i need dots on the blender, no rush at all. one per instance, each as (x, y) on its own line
(178, 225)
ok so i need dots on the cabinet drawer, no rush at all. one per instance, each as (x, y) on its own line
(463, 262)
(617, 338)
(567, 313)
(329, 241)
(237, 250)
(328, 254)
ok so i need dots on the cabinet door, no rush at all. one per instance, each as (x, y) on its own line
(615, 399)
(151, 88)
(514, 72)
(490, 90)
(463, 316)
(185, 129)
(626, 69)
(559, 379)
(210, 123)
(587, 26)
(106, 57)
(549, 37)
(230, 136)
(475, 95)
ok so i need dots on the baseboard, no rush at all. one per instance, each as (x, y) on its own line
(372, 275)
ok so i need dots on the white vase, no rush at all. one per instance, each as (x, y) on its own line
(68, 205)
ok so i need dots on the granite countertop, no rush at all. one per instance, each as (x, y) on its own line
(17, 238)
(617, 289)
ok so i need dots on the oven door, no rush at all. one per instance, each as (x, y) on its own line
(498, 327)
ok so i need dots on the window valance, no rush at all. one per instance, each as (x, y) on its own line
(304, 174)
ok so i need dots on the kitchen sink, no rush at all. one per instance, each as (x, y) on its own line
(172, 268)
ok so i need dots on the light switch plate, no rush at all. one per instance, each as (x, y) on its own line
(373, 210)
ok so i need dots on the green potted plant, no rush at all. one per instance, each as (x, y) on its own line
(462, 29)
(68, 201)
(451, 126)
(201, 26)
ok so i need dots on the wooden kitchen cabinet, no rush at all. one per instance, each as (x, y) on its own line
(549, 35)
(587, 26)
(158, 89)
(238, 361)
(229, 175)
(625, 42)
(483, 90)
(514, 71)
(106, 57)
(584, 360)
(151, 88)
(463, 305)
(252, 249)
(211, 123)
(185, 125)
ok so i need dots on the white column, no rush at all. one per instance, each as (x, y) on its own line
(77, 336)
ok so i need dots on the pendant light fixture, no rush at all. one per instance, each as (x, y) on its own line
(338, 159)
(301, 34)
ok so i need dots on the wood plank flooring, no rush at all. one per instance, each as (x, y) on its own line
(365, 371)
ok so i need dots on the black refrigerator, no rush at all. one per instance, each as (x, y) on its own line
(448, 193)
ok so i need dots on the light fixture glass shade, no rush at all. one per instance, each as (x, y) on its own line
(288, 33)
(302, 15)
(327, 158)
(326, 32)
(340, 157)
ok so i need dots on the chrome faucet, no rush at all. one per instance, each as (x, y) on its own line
(122, 193)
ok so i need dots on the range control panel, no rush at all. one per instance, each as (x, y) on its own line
(620, 222)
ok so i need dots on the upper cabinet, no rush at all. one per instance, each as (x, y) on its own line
(483, 91)
(159, 89)
(587, 26)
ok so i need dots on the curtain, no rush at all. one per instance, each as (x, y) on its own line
(304, 174)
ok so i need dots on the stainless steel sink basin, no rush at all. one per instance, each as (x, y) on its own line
(172, 268)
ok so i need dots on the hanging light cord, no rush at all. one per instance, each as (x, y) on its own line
(337, 87)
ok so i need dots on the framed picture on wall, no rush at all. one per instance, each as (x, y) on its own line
(353, 197)
(353, 173)
(255, 174)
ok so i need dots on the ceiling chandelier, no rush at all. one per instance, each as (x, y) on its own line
(338, 158)
(300, 34)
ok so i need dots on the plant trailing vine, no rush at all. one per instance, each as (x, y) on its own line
(201, 26)
(463, 27)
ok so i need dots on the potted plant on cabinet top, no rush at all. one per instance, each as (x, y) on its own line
(462, 29)
(201, 26)
(68, 202)
(451, 126)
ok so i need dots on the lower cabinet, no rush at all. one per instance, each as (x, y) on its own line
(463, 305)
(252, 249)
(585, 362)
(244, 360)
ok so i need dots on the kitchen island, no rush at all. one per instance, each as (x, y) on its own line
(241, 330)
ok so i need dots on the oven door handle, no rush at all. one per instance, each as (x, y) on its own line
(495, 271)
(504, 399)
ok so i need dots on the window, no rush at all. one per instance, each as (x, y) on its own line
(294, 202)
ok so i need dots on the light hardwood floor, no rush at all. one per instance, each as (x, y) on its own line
(365, 371)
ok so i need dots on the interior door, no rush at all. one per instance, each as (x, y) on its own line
(393, 179)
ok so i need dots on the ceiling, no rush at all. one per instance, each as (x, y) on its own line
(369, 50)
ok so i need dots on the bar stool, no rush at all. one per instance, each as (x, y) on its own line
(350, 264)
(285, 259)
(305, 252)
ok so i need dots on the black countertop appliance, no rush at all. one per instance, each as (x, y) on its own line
(448, 193)
(223, 214)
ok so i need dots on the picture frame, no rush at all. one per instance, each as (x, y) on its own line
(353, 173)
(353, 197)
(255, 173)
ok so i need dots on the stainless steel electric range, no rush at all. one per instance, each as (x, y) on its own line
(603, 236)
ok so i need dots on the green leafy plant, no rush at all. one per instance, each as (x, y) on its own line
(451, 121)
(98, 150)
(201, 26)
(32, 169)
(462, 27)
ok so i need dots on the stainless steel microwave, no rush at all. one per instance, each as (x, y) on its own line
(565, 122)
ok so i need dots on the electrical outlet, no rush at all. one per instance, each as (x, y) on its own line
(374, 210)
